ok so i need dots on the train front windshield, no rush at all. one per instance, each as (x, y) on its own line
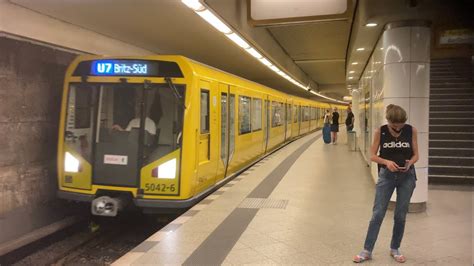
(126, 124)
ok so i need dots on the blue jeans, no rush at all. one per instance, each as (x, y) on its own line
(405, 183)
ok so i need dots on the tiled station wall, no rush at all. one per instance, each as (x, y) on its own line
(31, 81)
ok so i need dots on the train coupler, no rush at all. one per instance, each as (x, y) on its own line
(106, 206)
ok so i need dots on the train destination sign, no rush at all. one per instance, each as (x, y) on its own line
(124, 68)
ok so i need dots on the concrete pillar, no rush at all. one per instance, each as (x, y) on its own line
(406, 77)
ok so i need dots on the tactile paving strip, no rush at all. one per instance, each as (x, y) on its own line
(260, 203)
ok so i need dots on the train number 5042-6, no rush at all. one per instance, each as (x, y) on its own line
(160, 187)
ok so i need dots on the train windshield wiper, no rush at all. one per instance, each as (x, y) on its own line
(176, 94)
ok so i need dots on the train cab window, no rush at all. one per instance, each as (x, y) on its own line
(128, 119)
(83, 110)
(204, 112)
(277, 114)
(244, 114)
(79, 120)
(256, 114)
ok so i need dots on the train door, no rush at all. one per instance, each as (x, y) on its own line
(300, 116)
(226, 128)
(285, 118)
(289, 120)
(207, 140)
(267, 123)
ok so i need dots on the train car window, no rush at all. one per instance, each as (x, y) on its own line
(244, 114)
(231, 125)
(305, 113)
(295, 114)
(204, 112)
(256, 114)
(277, 114)
(288, 113)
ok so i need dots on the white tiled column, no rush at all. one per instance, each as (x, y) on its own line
(356, 111)
(406, 64)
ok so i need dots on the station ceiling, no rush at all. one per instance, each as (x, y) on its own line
(318, 51)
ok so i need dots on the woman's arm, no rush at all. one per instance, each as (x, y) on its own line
(391, 165)
(414, 144)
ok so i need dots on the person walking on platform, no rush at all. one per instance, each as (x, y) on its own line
(398, 147)
(334, 125)
(349, 119)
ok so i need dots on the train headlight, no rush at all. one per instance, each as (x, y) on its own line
(71, 164)
(166, 170)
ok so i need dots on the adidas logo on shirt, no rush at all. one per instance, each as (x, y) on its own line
(394, 144)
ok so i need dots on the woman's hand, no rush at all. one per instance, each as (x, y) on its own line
(117, 127)
(407, 166)
(391, 166)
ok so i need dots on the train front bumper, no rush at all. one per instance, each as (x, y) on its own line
(75, 196)
(139, 202)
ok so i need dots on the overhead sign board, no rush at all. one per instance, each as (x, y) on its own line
(281, 11)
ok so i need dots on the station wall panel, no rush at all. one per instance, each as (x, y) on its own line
(31, 80)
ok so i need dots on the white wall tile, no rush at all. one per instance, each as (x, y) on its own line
(421, 192)
(418, 113)
(378, 57)
(378, 114)
(420, 80)
(396, 45)
(377, 84)
(423, 141)
(420, 44)
(396, 80)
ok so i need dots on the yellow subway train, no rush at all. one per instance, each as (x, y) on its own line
(162, 132)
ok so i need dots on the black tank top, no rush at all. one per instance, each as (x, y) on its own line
(396, 149)
(335, 118)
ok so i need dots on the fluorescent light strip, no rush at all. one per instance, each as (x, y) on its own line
(221, 26)
(254, 53)
(265, 61)
(237, 40)
(195, 5)
(212, 19)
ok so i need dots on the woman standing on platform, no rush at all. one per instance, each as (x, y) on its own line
(398, 147)
(334, 125)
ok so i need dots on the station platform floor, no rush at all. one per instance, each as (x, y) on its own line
(309, 203)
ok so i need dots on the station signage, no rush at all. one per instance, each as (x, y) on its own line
(124, 68)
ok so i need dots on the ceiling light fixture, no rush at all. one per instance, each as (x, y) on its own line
(237, 40)
(193, 4)
(355, 63)
(208, 15)
(265, 62)
(360, 49)
(371, 24)
(212, 19)
(351, 72)
(254, 53)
